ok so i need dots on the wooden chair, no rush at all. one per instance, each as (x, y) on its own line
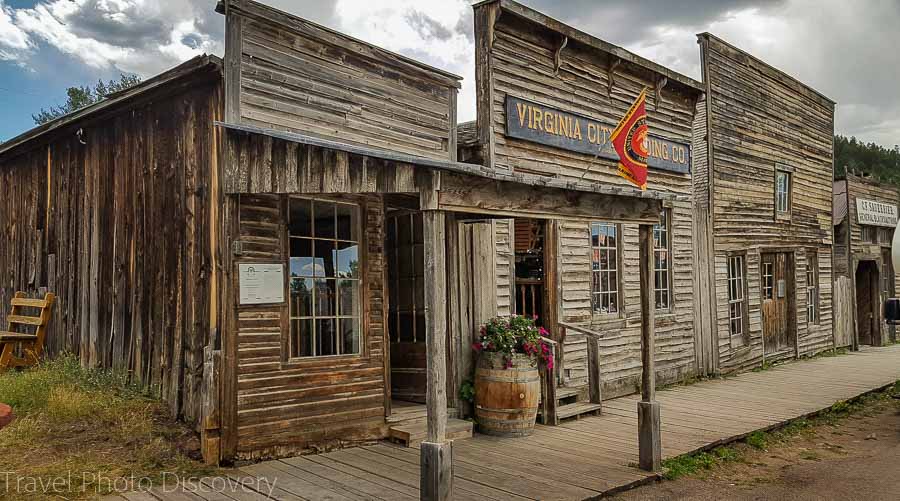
(32, 343)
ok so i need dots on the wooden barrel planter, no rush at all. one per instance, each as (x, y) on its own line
(506, 399)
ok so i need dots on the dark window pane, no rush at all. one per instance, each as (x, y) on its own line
(326, 337)
(300, 217)
(405, 258)
(348, 298)
(323, 213)
(347, 224)
(325, 298)
(301, 261)
(404, 233)
(324, 251)
(420, 327)
(302, 338)
(417, 228)
(301, 297)
(350, 335)
(406, 328)
(347, 260)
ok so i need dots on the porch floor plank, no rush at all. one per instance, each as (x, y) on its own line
(584, 458)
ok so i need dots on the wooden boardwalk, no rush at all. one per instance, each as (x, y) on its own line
(582, 459)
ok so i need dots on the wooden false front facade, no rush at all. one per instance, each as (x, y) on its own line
(763, 193)
(110, 208)
(529, 67)
(865, 215)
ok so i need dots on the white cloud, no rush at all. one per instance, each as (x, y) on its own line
(13, 40)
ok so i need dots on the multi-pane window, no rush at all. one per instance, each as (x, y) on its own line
(782, 192)
(768, 281)
(868, 234)
(737, 300)
(885, 235)
(812, 288)
(662, 262)
(324, 278)
(887, 274)
(604, 267)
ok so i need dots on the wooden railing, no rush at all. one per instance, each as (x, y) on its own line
(548, 387)
(593, 354)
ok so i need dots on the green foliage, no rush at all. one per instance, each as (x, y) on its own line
(79, 97)
(467, 391)
(853, 155)
(758, 440)
(72, 419)
(687, 464)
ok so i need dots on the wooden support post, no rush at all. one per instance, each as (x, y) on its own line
(649, 445)
(436, 467)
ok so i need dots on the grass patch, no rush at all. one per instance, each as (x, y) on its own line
(84, 426)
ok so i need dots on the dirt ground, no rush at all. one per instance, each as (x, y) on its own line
(856, 458)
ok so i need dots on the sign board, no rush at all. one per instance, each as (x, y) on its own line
(876, 213)
(569, 131)
(261, 283)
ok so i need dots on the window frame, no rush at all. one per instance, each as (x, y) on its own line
(788, 172)
(618, 270)
(734, 283)
(665, 216)
(813, 311)
(868, 234)
(362, 281)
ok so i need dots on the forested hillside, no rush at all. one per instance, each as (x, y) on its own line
(858, 157)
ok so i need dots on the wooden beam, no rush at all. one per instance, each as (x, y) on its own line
(649, 445)
(459, 193)
(436, 461)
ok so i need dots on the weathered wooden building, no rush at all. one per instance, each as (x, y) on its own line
(110, 208)
(548, 97)
(762, 171)
(865, 215)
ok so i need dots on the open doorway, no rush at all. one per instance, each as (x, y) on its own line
(868, 303)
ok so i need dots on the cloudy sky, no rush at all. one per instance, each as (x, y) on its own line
(849, 51)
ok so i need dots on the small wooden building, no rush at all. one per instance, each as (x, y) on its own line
(763, 172)
(865, 216)
(548, 97)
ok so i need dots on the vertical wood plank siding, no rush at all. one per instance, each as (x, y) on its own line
(117, 228)
(300, 77)
(286, 406)
(869, 189)
(760, 117)
(521, 64)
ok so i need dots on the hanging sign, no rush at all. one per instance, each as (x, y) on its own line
(261, 283)
(876, 213)
(569, 131)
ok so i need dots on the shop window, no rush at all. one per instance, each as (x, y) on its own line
(885, 235)
(812, 287)
(768, 281)
(737, 297)
(324, 278)
(605, 244)
(662, 262)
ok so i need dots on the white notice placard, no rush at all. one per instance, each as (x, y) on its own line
(261, 283)
(876, 213)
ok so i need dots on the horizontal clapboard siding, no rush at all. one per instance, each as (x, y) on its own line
(289, 407)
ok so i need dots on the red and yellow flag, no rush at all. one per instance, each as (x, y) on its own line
(629, 140)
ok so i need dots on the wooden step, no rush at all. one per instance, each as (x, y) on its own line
(577, 410)
(413, 434)
(17, 336)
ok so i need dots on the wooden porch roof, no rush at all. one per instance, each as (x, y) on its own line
(456, 167)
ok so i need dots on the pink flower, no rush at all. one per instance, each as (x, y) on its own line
(535, 317)
(544, 332)
(477, 346)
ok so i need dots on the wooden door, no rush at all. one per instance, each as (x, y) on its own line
(778, 302)
(867, 303)
(406, 313)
